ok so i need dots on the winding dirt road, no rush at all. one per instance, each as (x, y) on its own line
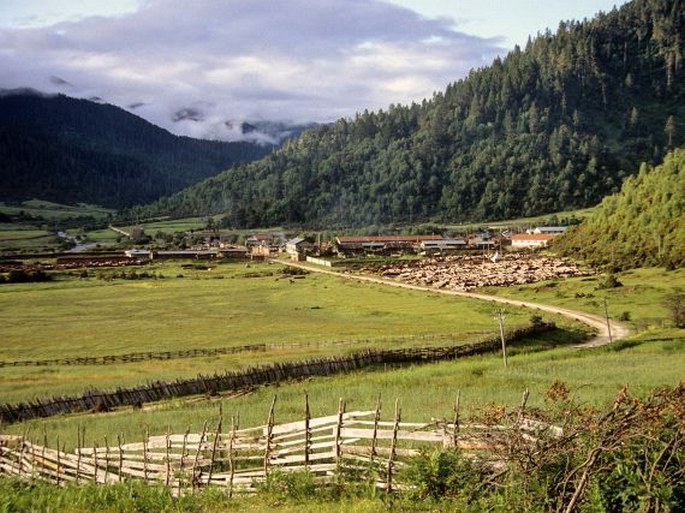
(606, 333)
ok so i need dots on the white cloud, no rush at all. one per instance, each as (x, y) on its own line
(296, 60)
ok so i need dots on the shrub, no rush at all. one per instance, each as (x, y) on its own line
(440, 474)
(609, 282)
(674, 301)
(290, 485)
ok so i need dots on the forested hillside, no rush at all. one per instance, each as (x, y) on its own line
(554, 126)
(644, 225)
(67, 150)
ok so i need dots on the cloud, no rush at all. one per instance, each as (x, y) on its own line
(191, 66)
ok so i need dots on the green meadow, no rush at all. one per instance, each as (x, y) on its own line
(228, 305)
(318, 315)
(593, 376)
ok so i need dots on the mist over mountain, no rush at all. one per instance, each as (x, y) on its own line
(71, 150)
(556, 125)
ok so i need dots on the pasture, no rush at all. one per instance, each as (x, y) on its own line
(317, 315)
(297, 317)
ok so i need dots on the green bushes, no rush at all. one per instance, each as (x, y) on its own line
(443, 474)
(23, 276)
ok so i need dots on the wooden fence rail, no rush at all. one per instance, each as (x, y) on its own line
(205, 352)
(96, 400)
(242, 459)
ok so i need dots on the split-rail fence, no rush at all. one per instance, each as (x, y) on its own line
(240, 460)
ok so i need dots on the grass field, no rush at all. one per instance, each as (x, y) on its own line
(235, 305)
(231, 305)
(33, 230)
(54, 211)
(594, 377)
(638, 301)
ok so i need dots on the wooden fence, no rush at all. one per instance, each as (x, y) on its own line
(242, 459)
(202, 352)
(95, 400)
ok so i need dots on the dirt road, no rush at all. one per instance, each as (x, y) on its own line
(605, 332)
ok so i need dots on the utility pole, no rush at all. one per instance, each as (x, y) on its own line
(500, 314)
(606, 314)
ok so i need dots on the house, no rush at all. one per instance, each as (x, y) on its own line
(197, 254)
(297, 247)
(138, 253)
(530, 240)
(482, 241)
(259, 239)
(438, 246)
(381, 243)
(548, 230)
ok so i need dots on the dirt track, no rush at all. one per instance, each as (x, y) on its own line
(618, 330)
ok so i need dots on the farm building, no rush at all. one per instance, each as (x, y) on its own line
(438, 246)
(382, 243)
(297, 248)
(530, 240)
(547, 230)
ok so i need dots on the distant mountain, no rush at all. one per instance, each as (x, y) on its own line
(643, 225)
(68, 150)
(554, 126)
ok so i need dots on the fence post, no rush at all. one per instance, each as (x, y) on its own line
(167, 446)
(522, 409)
(183, 458)
(338, 448)
(196, 478)
(269, 436)
(145, 443)
(95, 462)
(376, 420)
(231, 460)
(121, 458)
(307, 432)
(45, 446)
(393, 446)
(106, 460)
(216, 441)
(59, 463)
(455, 428)
(78, 456)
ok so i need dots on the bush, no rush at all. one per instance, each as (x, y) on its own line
(674, 301)
(22, 276)
(291, 485)
(440, 474)
(609, 282)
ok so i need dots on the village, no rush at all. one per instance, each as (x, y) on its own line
(211, 244)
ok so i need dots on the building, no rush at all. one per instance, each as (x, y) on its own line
(439, 246)
(547, 230)
(382, 243)
(530, 240)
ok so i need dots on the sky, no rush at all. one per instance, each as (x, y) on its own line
(193, 66)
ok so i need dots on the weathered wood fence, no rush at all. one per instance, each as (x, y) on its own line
(96, 400)
(241, 459)
(201, 352)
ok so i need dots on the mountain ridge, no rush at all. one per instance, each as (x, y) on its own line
(555, 126)
(65, 149)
